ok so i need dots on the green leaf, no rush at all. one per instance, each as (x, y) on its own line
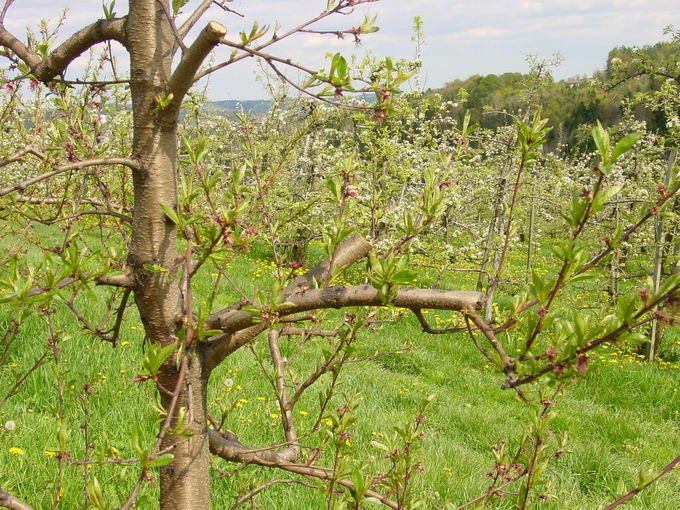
(601, 139)
(163, 460)
(583, 277)
(170, 213)
(94, 493)
(177, 5)
(624, 145)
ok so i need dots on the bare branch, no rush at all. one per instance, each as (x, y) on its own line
(279, 37)
(292, 331)
(495, 343)
(434, 331)
(230, 448)
(193, 18)
(234, 451)
(5, 9)
(171, 22)
(285, 404)
(351, 250)
(240, 328)
(193, 57)
(96, 212)
(59, 59)
(667, 469)
(19, 155)
(251, 494)
(131, 163)
(124, 280)
(358, 295)
(61, 200)
(36, 291)
(9, 501)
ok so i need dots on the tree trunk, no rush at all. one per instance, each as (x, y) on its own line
(185, 483)
(153, 257)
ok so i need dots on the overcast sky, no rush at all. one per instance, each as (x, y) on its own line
(463, 37)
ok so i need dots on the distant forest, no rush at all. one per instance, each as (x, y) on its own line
(570, 104)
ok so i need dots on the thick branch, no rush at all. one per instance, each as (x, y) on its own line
(358, 295)
(232, 449)
(124, 280)
(9, 501)
(193, 57)
(59, 59)
(131, 163)
(351, 250)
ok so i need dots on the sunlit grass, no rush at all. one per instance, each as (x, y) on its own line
(624, 415)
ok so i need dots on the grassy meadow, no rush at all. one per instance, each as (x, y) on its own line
(625, 415)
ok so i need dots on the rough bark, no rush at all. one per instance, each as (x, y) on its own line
(185, 483)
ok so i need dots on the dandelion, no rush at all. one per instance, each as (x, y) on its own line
(16, 451)
(50, 453)
(228, 382)
(124, 343)
(303, 413)
(10, 426)
(261, 399)
(274, 416)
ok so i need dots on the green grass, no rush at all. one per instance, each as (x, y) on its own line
(624, 415)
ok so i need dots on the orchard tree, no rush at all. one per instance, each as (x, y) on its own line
(156, 272)
(183, 217)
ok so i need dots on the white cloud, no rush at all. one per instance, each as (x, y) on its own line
(464, 36)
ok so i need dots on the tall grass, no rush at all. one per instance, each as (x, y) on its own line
(624, 415)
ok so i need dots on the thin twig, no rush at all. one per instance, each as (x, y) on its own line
(667, 469)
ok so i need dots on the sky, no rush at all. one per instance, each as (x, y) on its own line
(462, 37)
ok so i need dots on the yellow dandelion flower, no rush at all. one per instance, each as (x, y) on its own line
(50, 453)
(303, 413)
(274, 416)
(16, 451)
(260, 399)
